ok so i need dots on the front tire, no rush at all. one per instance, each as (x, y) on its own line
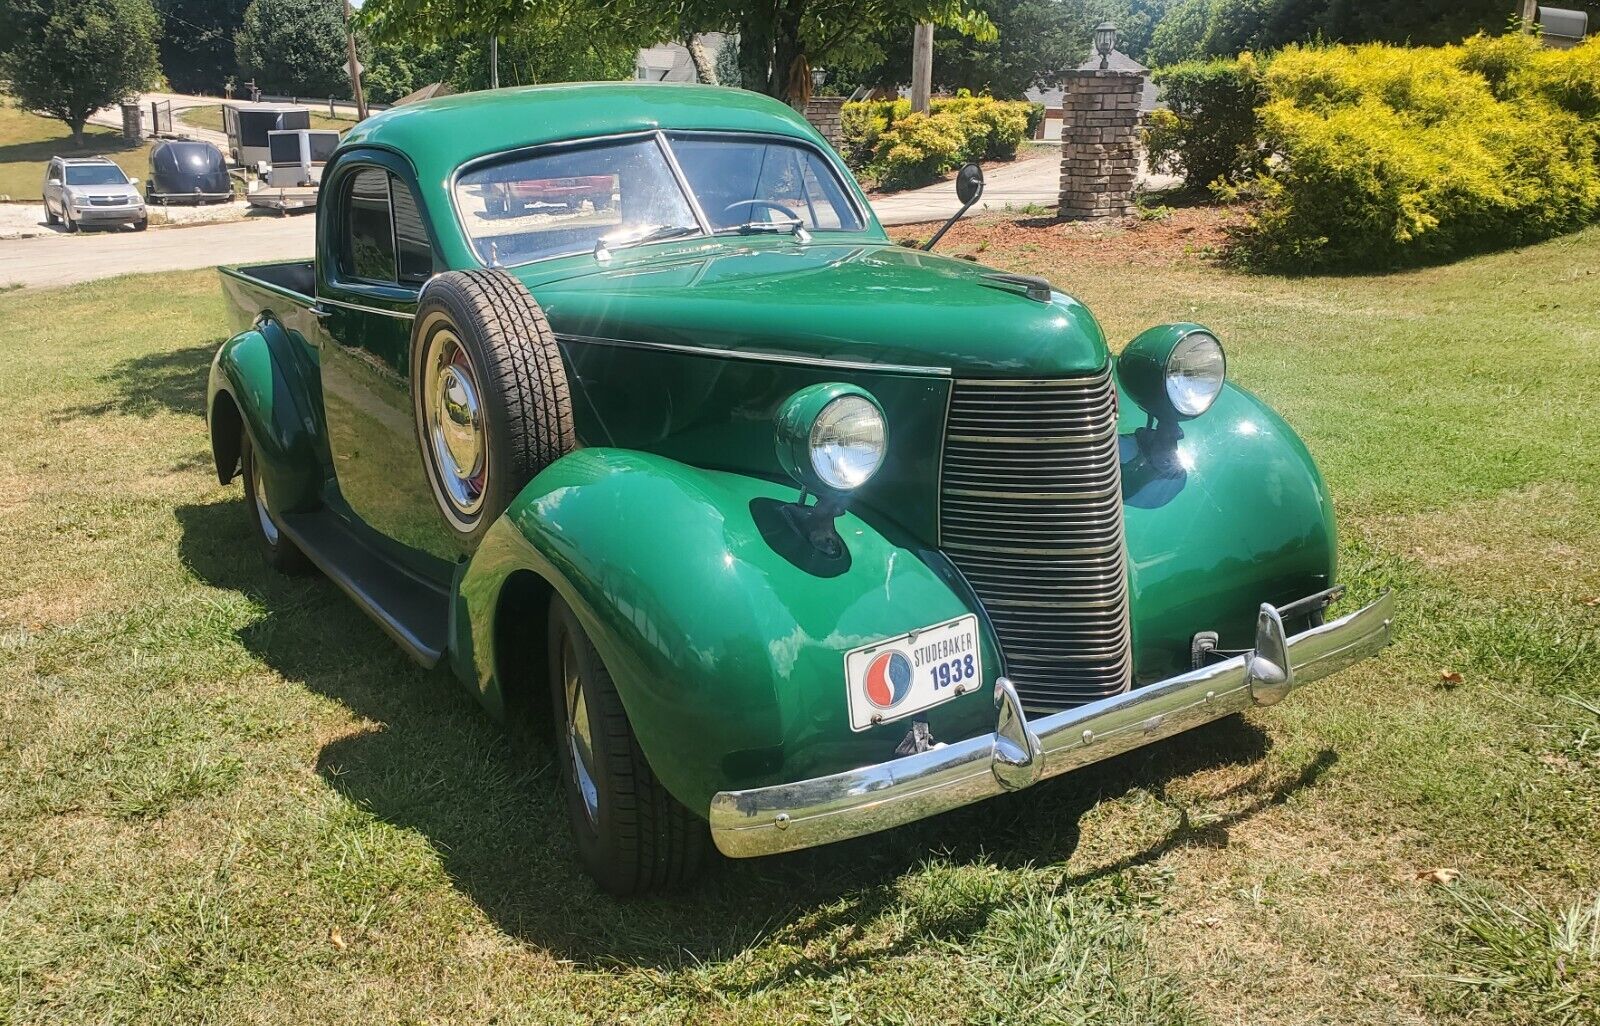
(632, 835)
(279, 552)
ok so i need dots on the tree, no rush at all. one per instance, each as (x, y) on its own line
(1035, 40)
(66, 59)
(196, 42)
(1222, 28)
(727, 64)
(540, 40)
(779, 43)
(295, 47)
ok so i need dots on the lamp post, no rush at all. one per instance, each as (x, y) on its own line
(1105, 40)
(819, 78)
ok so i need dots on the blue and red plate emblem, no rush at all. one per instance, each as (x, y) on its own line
(888, 679)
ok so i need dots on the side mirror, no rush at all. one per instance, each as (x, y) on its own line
(969, 186)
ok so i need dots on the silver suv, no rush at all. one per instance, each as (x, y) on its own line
(89, 191)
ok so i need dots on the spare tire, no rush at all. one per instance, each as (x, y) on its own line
(490, 395)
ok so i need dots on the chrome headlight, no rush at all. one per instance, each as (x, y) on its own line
(1174, 370)
(1195, 371)
(831, 438)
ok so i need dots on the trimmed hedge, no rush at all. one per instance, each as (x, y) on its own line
(1390, 155)
(885, 142)
(1209, 131)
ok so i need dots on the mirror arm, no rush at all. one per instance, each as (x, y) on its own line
(958, 215)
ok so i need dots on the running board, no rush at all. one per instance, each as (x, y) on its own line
(415, 612)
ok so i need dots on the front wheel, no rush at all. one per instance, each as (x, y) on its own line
(632, 835)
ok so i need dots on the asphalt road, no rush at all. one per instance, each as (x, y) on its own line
(69, 259)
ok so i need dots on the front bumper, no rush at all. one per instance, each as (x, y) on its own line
(784, 817)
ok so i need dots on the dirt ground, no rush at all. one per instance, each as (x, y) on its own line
(1175, 236)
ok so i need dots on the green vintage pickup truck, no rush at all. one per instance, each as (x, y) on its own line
(784, 528)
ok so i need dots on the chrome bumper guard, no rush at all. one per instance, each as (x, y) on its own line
(784, 817)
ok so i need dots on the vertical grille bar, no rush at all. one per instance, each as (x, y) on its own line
(1030, 509)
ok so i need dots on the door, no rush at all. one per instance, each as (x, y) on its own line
(52, 190)
(374, 255)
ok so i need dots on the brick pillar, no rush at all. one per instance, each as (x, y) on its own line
(823, 113)
(1099, 143)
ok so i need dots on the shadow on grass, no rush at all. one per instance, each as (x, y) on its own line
(169, 380)
(488, 801)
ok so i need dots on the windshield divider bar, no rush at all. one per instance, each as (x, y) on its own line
(683, 182)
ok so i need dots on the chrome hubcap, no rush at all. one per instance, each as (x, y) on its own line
(259, 486)
(579, 742)
(455, 423)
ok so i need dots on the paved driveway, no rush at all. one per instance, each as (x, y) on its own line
(68, 259)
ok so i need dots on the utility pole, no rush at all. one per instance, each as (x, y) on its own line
(494, 60)
(922, 68)
(354, 66)
(1530, 11)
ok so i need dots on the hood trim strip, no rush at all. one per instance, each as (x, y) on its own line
(742, 354)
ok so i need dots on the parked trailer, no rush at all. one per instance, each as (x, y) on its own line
(295, 172)
(249, 126)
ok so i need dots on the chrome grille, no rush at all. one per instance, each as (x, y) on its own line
(1030, 509)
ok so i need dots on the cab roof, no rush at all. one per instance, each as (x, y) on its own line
(440, 135)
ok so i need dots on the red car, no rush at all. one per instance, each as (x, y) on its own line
(517, 197)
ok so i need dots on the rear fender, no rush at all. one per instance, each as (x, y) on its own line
(258, 386)
(728, 657)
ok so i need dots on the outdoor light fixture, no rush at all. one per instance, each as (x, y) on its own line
(1105, 40)
(819, 76)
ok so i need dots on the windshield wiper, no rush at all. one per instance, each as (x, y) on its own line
(795, 228)
(639, 236)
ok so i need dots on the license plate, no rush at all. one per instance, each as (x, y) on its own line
(895, 677)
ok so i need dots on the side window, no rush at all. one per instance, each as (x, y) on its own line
(368, 244)
(55, 172)
(385, 240)
(414, 252)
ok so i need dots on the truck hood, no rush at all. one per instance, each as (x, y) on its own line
(867, 303)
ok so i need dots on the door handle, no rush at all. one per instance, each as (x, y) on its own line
(319, 311)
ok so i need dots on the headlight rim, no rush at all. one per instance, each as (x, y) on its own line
(1167, 373)
(795, 428)
(1143, 368)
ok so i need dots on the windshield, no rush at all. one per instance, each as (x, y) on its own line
(95, 174)
(563, 202)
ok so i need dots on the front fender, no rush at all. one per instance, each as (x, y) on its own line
(257, 377)
(728, 657)
(1228, 515)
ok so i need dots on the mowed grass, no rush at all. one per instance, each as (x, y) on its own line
(210, 116)
(27, 142)
(224, 797)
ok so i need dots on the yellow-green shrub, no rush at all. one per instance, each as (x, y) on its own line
(1391, 155)
(918, 149)
(885, 142)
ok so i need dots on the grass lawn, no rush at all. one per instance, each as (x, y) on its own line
(27, 142)
(225, 797)
(211, 117)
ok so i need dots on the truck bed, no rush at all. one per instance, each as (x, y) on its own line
(297, 276)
